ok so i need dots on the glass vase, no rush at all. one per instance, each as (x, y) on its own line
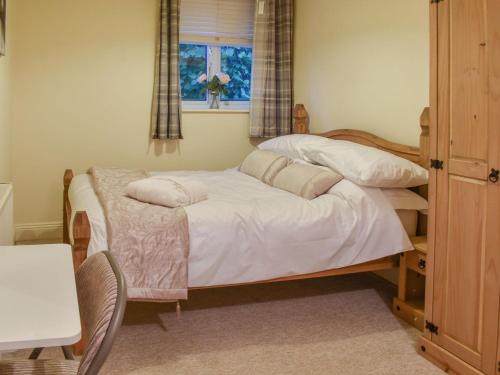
(214, 101)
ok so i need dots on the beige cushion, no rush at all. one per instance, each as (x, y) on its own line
(168, 191)
(263, 165)
(306, 181)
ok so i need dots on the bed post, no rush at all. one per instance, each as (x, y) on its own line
(81, 225)
(425, 142)
(81, 238)
(68, 177)
(425, 149)
(300, 120)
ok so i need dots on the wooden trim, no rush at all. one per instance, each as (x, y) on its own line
(444, 359)
(375, 265)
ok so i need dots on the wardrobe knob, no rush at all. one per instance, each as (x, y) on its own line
(494, 175)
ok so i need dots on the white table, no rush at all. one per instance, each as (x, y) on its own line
(38, 300)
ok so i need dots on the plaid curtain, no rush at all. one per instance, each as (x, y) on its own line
(166, 116)
(272, 92)
(3, 11)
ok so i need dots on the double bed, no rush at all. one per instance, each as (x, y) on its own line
(249, 232)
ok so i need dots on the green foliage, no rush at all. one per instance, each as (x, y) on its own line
(216, 86)
(193, 63)
(237, 63)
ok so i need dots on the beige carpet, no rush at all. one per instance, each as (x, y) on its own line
(340, 325)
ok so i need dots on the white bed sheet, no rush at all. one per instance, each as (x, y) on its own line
(249, 231)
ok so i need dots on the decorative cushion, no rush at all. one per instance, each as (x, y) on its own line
(263, 165)
(367, 166)
(306, 181)
(168, 191)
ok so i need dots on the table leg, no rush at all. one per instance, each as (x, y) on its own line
(35, 353)
(68, 353)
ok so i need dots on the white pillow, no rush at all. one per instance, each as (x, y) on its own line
(292, 145)
(367, 166)
(404, 199)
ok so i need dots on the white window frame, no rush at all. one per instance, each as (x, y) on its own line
(213, 67)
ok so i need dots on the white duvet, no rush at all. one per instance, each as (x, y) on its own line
(249, 231)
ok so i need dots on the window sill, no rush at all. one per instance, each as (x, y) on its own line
(220, 110)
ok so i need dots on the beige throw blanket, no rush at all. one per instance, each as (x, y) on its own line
(150, 243)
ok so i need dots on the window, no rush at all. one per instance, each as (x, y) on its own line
(193, 63)
(216, 36)
(237, 62)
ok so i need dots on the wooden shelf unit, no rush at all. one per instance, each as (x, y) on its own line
(409, 304)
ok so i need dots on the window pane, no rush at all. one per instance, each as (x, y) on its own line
(193, 63)
(237, 62)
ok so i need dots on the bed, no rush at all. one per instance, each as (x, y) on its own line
(249, 232)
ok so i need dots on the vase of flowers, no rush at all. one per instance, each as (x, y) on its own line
(215, 86)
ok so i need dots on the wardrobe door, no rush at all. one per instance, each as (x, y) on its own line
(493, 230)
(465, 282)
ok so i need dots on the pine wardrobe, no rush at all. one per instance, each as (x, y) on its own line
(463, 263)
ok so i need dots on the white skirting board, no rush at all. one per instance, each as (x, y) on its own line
(39, 232)
(6, 215)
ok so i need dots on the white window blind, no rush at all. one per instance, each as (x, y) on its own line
(217, 21)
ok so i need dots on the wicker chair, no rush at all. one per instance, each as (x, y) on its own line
(102, 295)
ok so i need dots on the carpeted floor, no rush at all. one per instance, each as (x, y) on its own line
(340, 325)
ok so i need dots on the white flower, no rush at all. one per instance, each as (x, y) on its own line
(202, 78)
(223, 78)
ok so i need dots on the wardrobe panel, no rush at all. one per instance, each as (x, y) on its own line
(459, 269)
(468, 80)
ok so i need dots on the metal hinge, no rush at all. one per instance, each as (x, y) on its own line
(436, 1)
(437, 164)
(431, 327)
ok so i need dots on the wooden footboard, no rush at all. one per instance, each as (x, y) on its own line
(80, 228)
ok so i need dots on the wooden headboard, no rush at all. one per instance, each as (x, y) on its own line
(419, 155)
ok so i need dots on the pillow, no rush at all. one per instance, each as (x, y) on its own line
(306, 181)
(292, 145)
(367, 166)
(168, 191)
(263, 165)
(404, 199)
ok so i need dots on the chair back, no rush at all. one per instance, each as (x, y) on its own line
(102, 297)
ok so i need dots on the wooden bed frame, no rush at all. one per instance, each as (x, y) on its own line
(81, 226)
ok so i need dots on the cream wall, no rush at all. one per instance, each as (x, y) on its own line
(82, 96)
(363, 64)
(5, 124)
